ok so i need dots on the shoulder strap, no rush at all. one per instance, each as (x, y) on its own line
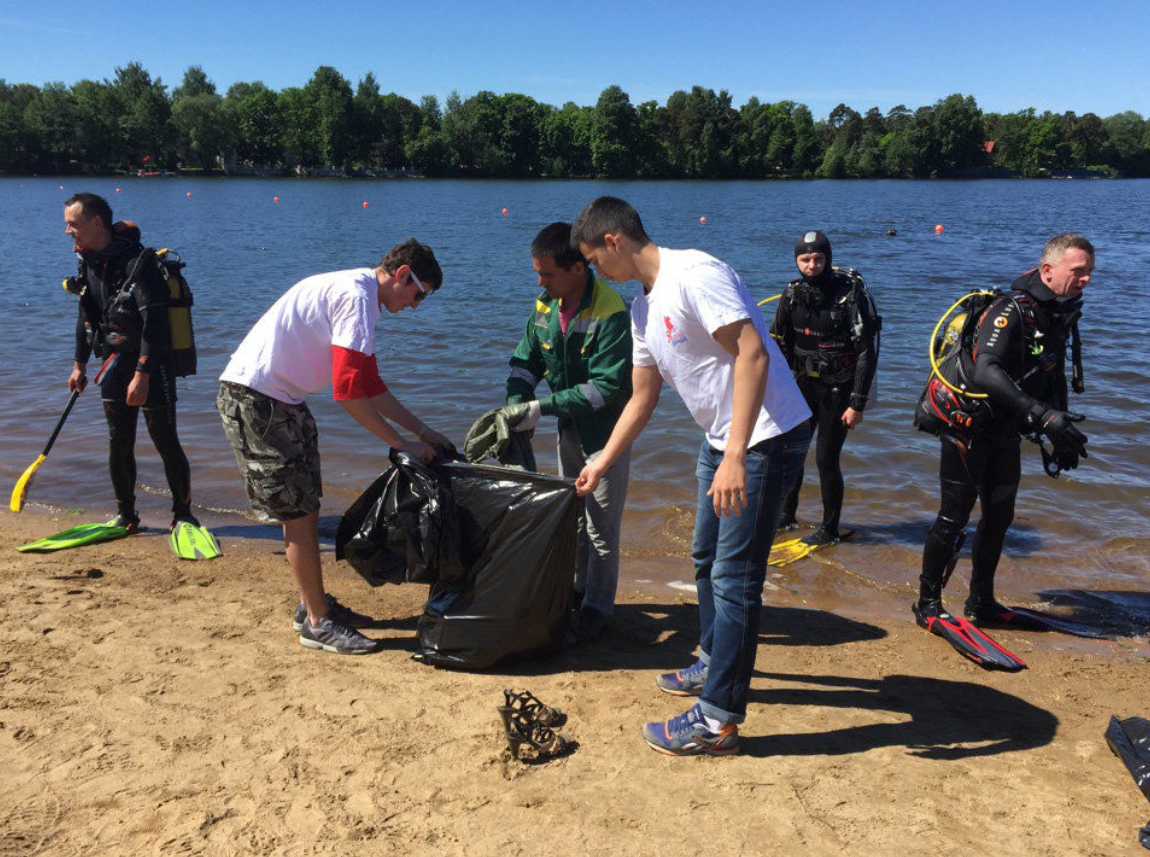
(1077, 379)
(87, 299)
(860, 302)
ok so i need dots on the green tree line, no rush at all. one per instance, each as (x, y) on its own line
(133, 121)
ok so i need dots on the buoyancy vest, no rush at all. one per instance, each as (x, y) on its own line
(118, 325)
(829, 333)
(952, 405)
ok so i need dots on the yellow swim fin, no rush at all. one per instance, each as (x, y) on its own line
(784, 553)
(191, 541)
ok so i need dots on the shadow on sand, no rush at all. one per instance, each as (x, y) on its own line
(664, 636)
(943, 716)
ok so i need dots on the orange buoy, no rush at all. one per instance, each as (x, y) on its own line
(117, 190)
(275, 199)
(188, 194)
(703, 220)
(365, 203)
(938, 229)
(505, 211)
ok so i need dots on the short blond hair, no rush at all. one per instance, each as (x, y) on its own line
(1057, 246)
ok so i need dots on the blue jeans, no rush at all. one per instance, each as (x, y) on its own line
(730, 557)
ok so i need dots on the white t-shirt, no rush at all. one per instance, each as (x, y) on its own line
(287, 354)
(673, 329)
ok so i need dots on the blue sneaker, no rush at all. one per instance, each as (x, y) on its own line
(688, 682)
(688, 735)
(338, 613)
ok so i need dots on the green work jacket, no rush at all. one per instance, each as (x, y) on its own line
(588, 369)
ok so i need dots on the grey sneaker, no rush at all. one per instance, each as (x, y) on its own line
(337, 612)
(688, 682)
(331, 636)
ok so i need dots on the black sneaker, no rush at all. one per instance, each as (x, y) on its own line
(587, 628)
(333, 637)
(337, 612)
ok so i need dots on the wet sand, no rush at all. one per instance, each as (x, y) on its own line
(153, 706)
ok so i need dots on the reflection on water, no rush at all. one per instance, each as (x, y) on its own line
(448, 361)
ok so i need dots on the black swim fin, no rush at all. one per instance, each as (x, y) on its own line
(997, 616)
(1065, 626)
(1022, 619)
(967, 640)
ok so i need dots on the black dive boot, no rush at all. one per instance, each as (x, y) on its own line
(128, 520)
(822, 537)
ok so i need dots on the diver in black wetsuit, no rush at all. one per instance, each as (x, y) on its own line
(124, 309)
(1018, 359)
(827, 327)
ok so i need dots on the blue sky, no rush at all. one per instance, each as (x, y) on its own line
(1052, 55)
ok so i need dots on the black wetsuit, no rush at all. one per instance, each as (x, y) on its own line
(1020, 361)
(826, 329)
(132, 322)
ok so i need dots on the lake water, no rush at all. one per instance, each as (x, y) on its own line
(448, 361)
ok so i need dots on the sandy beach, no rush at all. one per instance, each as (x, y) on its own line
(153, 706)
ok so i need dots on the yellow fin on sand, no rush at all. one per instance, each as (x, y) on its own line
(191, 541)
(784, 553)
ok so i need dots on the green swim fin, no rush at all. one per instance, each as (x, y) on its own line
(784, 553)
(85, 534)
(191, 541)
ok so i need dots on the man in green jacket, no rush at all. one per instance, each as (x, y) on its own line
(578, 338)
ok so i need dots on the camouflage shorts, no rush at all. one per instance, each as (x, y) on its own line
(277, 449)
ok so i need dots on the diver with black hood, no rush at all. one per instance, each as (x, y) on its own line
(828, 329)
(1016, 362)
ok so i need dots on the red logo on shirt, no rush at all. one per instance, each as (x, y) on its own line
(674, 337)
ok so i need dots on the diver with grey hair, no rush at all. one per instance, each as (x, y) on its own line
(1015, 359)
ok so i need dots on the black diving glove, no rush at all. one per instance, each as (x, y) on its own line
(1059, 427)
(1067, 460)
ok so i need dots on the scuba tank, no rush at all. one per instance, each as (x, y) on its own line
(947, 405)
(180, 303)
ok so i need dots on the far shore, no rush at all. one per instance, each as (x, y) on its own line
(332, 173)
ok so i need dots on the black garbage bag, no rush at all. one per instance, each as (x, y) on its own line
(403, 528)
(518, 539)
(496, 544)
(1129, 739)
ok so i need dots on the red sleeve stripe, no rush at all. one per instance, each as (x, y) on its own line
(354, 375)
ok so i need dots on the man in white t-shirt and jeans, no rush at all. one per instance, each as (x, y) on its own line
(320, 333)
(695, 325)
